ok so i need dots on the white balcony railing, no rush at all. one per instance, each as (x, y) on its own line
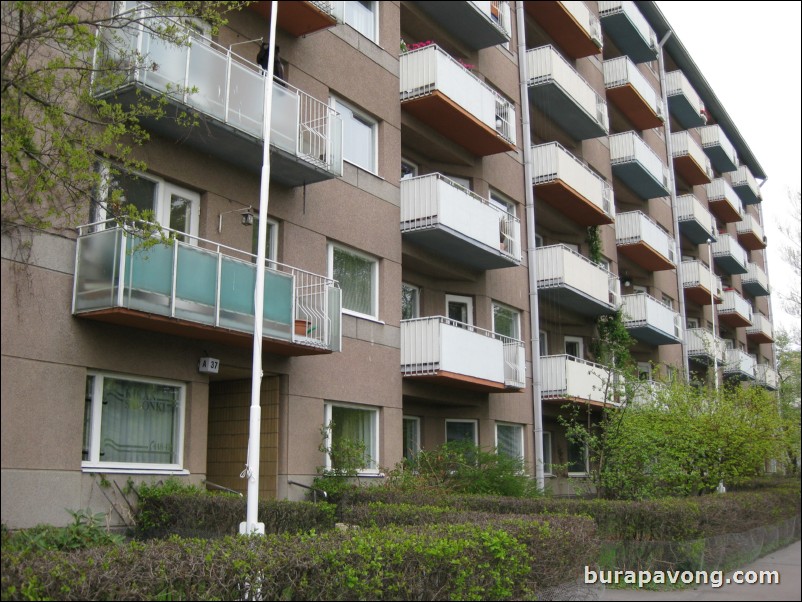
(430, 69)
(635, 17)
(701, 342)
(586, 19)
(767, 376)
(694, 274)
(435, 200)
(438, 344)
(742, 177)
(733, 303)
(755, 275)
(689, 208)
(221, 84)
(559, 266)
(497, 12)
(677, 83)
(750, 225)
(713, 136)
(569, 377)
(740, 362)
(646, 391)
(682, 145)
(546, 65)
(628, 147)
(551, 162)
(621, 71)
(726, 247)
(761, 325)
(720, 190)
(634, 227)
(642, 310)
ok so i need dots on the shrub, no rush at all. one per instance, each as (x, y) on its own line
(86, 531)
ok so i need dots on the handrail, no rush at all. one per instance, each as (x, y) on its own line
(314, 490)
(221, 488)
(469, 327)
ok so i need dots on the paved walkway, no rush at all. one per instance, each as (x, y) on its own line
(786, 561)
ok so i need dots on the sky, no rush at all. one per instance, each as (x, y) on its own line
(750, 53)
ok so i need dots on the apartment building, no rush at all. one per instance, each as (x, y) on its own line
(407, 139)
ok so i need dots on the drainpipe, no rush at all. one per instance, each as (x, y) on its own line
(674, 209)
(534, 313)
(713, 311)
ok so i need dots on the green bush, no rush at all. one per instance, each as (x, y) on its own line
(86, 531)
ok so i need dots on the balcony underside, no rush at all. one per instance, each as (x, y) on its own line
(562, 398)
(751, 241)
(192, 330)
(699, 295)
(734, 319)
(297, 18)
(639, 180)
(646, 256)
(703, 358)
(573, 205)
(724, 211)
(738, 374)
(760, 338)
(684, 112)
(729, 264)
(755, 288)
(694, 231)
(627, 38)
(650, 335)
(460, 381)
(690, 171)
(455, 123)
(574, 299)
(465, 23)
(226, 143)
(561, 25)
(561, 108)
(721, 161)
(632, 104)
(447, 242)
(746, 194)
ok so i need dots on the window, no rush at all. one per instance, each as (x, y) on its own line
(575, 346)
(359, 136)
(410, 301)
(411, 437)
(538, 240)
(408, 169)
(461, 430)
(358, 275)
(668, 302)
(506, 321)
(499, 201)
(172, 206)
(692, 322)
(638, 288)
(460, 309)
(271, 247)
(133, 425)
(547, 463)
(543, 343)
(459, 180)
(644, 371)
(362, 16)
(510, 440)
(577, 458)
(352, 424)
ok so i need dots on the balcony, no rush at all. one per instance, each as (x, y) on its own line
(568, 378)
(576, 283)
(441, 350)
(723, 201)
(453, 222)
(701, 285)
(755, 282)
(634, 96)
(740, 365)
(226, 92)
(476, 25)
(648, 320)
(299, 18)
(570, 186)
(683, 101)
(630, 31)
(690, 160)
(638, 166)
(695, 221)
(564, 96)
(646, 391)
(718, 147)
(750, 233)
(451, 100)
(734, 311)
(744, 183)
(704, 347)
(576, 30)
(729, 255)
(766, 376)
(638, 237)
(761, 331)
(202, 290)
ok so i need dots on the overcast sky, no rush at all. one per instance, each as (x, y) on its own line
(750, 54)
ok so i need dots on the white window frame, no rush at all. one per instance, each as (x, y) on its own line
(691, 322)
(547, 458)
(461, 299)
(373, 451)
(417, 446)
(474, 422)
(373, 7)
(271, 251)
(95, 464)
(374, 315)
(579, 341)
(500, 201)
(412, 166)
(520, 437)
(539, 241)
(416, 308)
(517, 318)
(343, 107)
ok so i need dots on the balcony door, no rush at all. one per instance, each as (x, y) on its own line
(460, 309)
(575, 346)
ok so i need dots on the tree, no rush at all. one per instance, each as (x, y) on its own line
(789, 364)
(55, 128)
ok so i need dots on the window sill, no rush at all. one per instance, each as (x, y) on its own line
(577, 475)
(92, 468)
(356, 314)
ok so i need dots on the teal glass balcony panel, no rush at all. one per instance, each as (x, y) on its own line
(226, 92)
(196, 290)
(630, 31)
(638, 166)
(476, 24)
(684, 103)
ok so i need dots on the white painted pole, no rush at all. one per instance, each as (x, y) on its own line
(251, 525)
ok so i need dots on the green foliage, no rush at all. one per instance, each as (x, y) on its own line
(87, 530)
(594, 244)
(346, 458)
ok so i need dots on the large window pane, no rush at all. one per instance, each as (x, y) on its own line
(411, 438)
(359, 15)
(506, 321)
(577, 457)
(358, 137)
(510, 440)
(352, 426)
(461, 430)
(410, 302)
(356, 277)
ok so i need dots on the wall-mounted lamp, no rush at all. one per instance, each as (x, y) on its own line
(247, 217)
